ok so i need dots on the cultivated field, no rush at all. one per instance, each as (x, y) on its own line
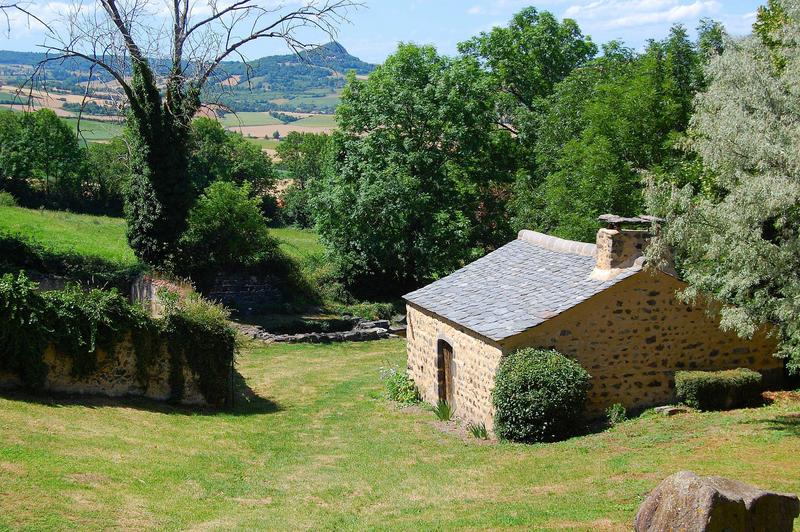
(283, 129)
(257, 127)
(313, 445)
(248, 119)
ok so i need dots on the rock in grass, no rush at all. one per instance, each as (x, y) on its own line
(686, 501)
(670, 410)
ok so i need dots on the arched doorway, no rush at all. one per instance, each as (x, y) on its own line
(444, 371)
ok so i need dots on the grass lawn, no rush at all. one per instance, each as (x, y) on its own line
(62, 232)
(249, 118)
(297, 243)
(104, 237)
(316, 446)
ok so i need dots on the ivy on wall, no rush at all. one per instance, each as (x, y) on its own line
(79, 322)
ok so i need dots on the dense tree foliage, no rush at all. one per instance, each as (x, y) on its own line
(225, 231)
(43, 164)
(413, 170)
(303, 155)
(525, 60)
(606, 123)
(220, 155)
(734, 222)
(440, 159)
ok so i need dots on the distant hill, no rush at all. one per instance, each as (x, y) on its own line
(310, 82)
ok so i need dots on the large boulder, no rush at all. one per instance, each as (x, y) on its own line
(688, 502)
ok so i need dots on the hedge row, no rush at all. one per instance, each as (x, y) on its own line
(719, 390)
(78, 322)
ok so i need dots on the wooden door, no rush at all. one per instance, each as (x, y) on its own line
(445, 372)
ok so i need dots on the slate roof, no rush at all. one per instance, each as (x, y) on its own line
(517, 286)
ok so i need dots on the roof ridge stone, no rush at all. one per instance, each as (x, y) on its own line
(560, 245)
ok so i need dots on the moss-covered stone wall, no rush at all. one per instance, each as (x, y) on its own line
(116, 375)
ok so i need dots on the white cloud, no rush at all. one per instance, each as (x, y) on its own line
(615, 14)
(475, 10)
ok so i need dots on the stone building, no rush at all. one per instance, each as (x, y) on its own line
(597, 303)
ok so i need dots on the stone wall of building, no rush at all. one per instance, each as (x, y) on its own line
(633, 337)
(475, 361)
(116, 375)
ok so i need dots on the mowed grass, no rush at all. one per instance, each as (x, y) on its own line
(249, 118)
(317, 447)
(298, 243)
(104, 237)
(63, 232)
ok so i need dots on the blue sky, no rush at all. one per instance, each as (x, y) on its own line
(373, 32)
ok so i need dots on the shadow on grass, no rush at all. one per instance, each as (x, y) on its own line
(246, 402)
(788, 423)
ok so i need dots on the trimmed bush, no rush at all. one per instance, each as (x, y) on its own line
(539, 395)
(719, 390)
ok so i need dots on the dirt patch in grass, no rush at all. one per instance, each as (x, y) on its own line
(14, 469)
(778, 397)
(459, 430)
(93, 480)
(597, 524)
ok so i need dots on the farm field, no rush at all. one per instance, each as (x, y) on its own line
(266, 144)
(283, 129)
(317, 121)
(104, 237)
(313, 444)
(248, 119)
(96, 130)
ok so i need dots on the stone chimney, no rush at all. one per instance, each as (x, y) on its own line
(618, 249)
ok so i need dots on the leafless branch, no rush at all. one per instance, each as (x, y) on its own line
(6, 8)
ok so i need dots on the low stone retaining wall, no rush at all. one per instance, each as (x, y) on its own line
(117, 375)
(362, 332)
(145, 291)
(248, 294)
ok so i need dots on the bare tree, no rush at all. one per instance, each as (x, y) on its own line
(7, 9)
(160, 55)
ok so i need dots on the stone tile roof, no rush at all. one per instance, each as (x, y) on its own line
(517, 286)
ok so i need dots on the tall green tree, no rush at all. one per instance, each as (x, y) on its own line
(162, 76)
(57, 159)
(604, 124)
(735, 224)
(219, 155)
(304, 156)
(526, 59)
(417, 154)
